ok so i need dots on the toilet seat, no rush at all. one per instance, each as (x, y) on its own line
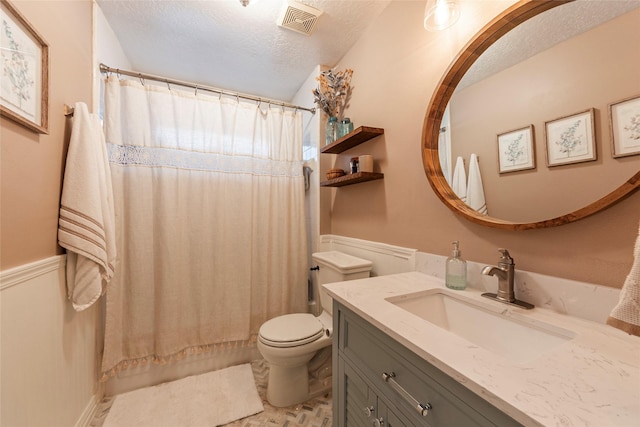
(291, 330)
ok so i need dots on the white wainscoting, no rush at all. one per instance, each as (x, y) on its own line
(387, 259)
(48, 353)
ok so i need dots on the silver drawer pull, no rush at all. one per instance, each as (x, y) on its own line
(422, 408)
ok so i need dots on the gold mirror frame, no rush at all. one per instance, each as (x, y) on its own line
(499, 26)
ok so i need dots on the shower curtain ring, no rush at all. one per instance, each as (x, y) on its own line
(167, 81)
(141, 79)
(118, 72)
(196, 92)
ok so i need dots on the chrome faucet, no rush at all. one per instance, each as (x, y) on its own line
(505, 271)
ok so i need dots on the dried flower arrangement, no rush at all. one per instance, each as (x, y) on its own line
(332, 96)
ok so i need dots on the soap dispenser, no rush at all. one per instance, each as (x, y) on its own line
(456, 270)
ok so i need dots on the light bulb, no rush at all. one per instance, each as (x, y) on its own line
(440, 14)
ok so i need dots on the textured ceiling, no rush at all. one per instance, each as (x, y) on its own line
(544, 31)
(223, 44)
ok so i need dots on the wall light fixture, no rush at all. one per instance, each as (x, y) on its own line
(440, 14)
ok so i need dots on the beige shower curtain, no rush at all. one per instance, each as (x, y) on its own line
(209, 199)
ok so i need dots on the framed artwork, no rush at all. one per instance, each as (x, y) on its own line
(516, 150)
(624, 123)
(24, 58)
(571, 139)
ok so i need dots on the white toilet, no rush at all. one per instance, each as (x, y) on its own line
(289, 342)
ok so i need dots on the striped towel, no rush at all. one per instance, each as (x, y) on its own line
(86, 226)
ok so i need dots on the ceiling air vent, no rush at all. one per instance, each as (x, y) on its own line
(299, 17)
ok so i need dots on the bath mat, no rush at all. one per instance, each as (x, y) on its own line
(212, 399)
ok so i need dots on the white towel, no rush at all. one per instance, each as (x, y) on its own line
(460, 180)
(626, 315)
(86, 227)
(475, 191)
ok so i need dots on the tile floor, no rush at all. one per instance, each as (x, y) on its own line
(314, 413)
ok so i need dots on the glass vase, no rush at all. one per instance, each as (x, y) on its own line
(331, 130)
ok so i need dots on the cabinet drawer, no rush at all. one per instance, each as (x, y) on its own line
(362, 404)
(416, 381)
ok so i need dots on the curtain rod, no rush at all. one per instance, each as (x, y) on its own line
(142, 76)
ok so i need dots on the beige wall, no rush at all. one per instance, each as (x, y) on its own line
(32, 164)
(397, 66)
(591, 70)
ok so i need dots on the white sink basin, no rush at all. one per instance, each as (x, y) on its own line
(487, 325)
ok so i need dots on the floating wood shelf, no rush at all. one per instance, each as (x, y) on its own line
(352, 178)
(350, 140)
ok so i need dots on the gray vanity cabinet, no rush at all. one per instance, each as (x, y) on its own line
(379, 382)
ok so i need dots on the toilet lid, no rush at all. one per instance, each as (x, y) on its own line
(291, 330)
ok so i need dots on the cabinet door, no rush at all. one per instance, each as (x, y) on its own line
(357, 405)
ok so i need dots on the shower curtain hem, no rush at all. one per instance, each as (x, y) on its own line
(174, 357)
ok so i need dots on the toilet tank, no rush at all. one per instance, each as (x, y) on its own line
(337, 266)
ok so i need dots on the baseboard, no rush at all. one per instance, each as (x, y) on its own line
(23, 273)
(89, 413)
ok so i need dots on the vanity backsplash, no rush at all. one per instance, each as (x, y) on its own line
(583, 300)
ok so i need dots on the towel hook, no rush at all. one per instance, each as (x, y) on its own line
(68, 110)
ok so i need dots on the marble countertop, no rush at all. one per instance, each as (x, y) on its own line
(592, 379)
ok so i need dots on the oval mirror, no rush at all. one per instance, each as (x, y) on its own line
(526, 41)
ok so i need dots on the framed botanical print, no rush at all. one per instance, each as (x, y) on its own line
(624, 123)
(571, 139)
(24, 56)
(516, 150)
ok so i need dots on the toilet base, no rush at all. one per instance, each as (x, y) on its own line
(287, 386)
